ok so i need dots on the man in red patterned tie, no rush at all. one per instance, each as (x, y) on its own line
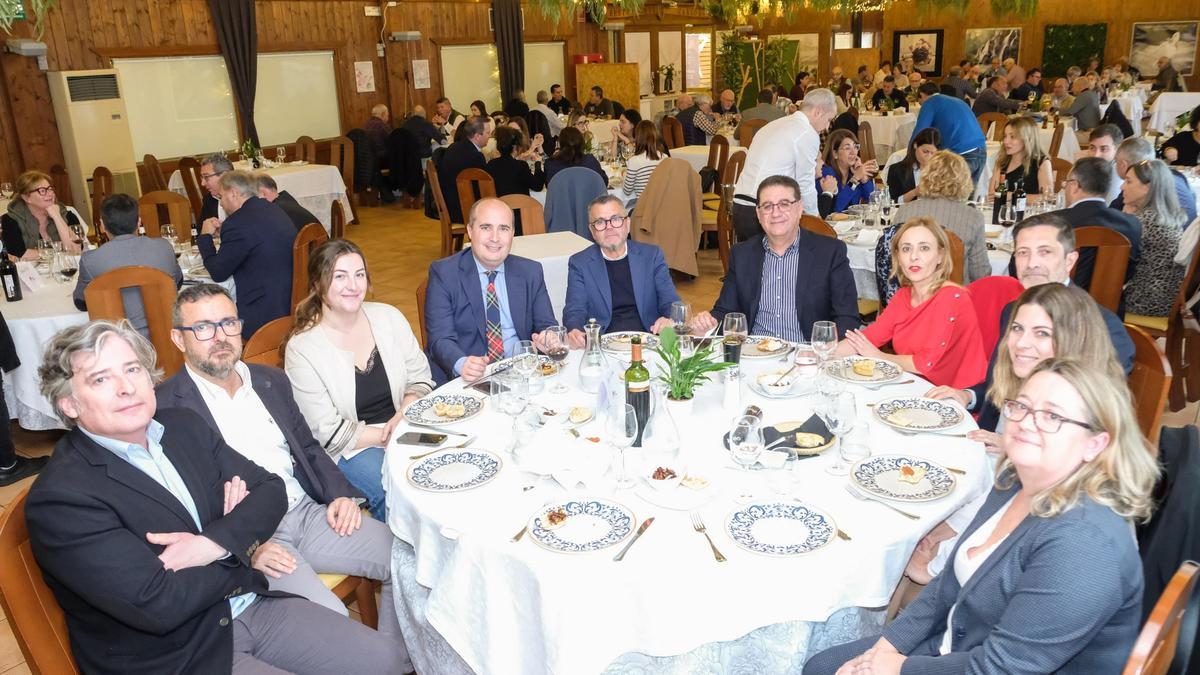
(483, 301)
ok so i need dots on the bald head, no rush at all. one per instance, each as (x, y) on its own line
(684, 101)
(490, 226)
(1060, 87)
(418, 110)
(380, 111)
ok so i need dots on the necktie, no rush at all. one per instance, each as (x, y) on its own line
(495, 341)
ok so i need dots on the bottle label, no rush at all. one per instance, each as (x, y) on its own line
(636, 387)
(1021, 204)
(9, 290)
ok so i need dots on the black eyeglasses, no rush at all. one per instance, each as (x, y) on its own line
(207, 330)
(42, 191)
(1045, 420)
(601, 224)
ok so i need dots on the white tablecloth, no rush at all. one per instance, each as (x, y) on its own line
(697, 155)
(499, 607)
(32, 322)
(315, 187)
(884, 130)
(862, 264)
(1132, 106)
(1168, 106)
(552, 250)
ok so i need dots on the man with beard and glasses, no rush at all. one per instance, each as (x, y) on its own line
(251, 406)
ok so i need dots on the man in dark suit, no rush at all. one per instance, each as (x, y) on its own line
(145, 523)
(994, 98)
(256, 250)
(623, 284)
(119, 217)
(269, 190)
(211, 169)
(560, 104)
(1085, 189)
(962, 86)
(598, 105)
(888, 90)
(251, 406)
(427, 134)
(1031, 85)
(481, 302)
(464, 154)
(786, 279)
(1167, 78)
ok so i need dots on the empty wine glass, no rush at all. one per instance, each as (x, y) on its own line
(557, 349)
(281, 154)
(745, 446)
(824, 339)
(510, 392)
(840, 414)
(681, 315)
(622, 428)
(525, 359)
(6, 190)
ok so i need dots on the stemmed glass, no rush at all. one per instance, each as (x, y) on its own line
(510, 392)
(525, 359)
(839, 419)
(167, 232)
(622, 429)
(824, 339)
(745, 446)
(280, 155)
(6, 191)
(557, 349)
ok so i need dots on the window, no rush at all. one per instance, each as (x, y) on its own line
(471, 72)
(843, 40)
(868, 40)
(296, 95)
(698, 57)
(543, 67)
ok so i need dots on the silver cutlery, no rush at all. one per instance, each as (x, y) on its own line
(841, 535)
(876, 386)
(519, 534)
(789, 372)
(621, 556)
(867, 498)
(698, 525)
(464, 444)
(905, 432)
(957, 471)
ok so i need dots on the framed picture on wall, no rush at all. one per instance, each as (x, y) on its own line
(1175, 40)
(922, 47)
(984, 45)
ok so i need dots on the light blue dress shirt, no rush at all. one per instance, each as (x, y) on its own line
(508, 332)
(154, 463)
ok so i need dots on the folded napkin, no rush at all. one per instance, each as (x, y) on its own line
(868, 237)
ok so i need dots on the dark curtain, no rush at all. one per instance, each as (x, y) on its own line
(237, 35)
(510, 47)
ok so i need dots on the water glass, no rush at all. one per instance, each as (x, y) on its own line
(840, 415)
(745, 447)
(824, 339)
(783, 479)
(525, 359)
(853, 452)
(681, 316)
(622, 428)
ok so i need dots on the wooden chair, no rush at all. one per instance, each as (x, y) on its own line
(163, 207)
(718, 155)
(672, 133)
(62, 184)
(37, 621)
(308, 239)
(263, 347)
(153, 178)
(103, 296)
(421, 289)
(1062, 169)
(1182, 343)
(189, 171)
(337, 220)
(306, 149)
(725, 236)
(1149, 382)
(531, 211)
(1112, 258)
(360, 589)
(102, 187)
(866, 142)
(956, 256)
(473, 185)
(986, 120)
(817, 226)
(1056, 141)
(1158, 645)
(341, 155)
(453, 234)
(746, 131)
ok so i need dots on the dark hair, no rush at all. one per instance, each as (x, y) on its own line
(1093, 175)
(800, 76)
(1195, 118)
(320, 275)
(926, 136)
(765, 95)
(862, 69)
(964, 63)
(889, 79)
(570, 146)
(1031, 71)
(779, 181)
(520, 122)
(1066, 233)
(554, 86)
(832, 143)
(190, 294)
(472, 126)
(632, 115)
(885, 62)
(480, 105)
(928, 88)
(598, 90)
(507, 138)
(1111, 130)
(645, 140)
(442, 99)
(119, 213)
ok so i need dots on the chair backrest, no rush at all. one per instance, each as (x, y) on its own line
(1056, 140)
(956, 256)
(733, 168)
(337, 220)
(103, 297)
(308, 239)
(62, 184)
(672, 133)
(102, 187)
(341, 155)
(1149, 382)
(435, 187)
(33, 613)
(817, 226)
(1112, 256)
(1159, 643)
(473, 184)
(986, 120)
(530, 211)
(155, 180)
(1062, 168)
(718, 153)
(189, 171)
(729, 178)
(163, 207)
(263, 347)
(306, 149)
(421, 288)
(746, 131)
(990, 295)
(866, 142)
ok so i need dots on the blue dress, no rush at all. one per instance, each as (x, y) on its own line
(846, 195)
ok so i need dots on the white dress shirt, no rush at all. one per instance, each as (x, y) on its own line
(787, 146)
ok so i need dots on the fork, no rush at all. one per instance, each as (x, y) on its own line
(699, 527)
(866, 498)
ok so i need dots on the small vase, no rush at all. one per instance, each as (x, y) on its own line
(681, 409)
(670, 86)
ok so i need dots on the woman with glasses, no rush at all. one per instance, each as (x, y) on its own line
(354, 367)
(930, 323)
(1149, 192)
(35, 215)
(571, 153)
(854, 177)
(1047, 576)
(1022, 160)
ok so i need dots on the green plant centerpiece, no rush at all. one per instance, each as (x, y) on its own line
(683, 375)
(667, 75)
(251, 152)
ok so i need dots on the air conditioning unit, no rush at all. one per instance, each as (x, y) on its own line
(94, 129)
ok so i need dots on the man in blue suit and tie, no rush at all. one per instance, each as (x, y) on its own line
(623, 284)
(482, 302)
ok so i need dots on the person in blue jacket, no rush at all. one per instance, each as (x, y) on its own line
(854, 177)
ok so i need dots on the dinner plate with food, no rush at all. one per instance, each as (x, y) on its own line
(781, 528)
(782, 383)
(864, 370)
(764, 346)
(663, 486)
(622, 341)
(581, 525)
(801, 438)
(917, 414)
(440, 409)
(454, 470)
(902, 478)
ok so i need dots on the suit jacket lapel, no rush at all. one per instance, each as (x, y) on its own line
(474, 288)
(758, 258)
(636, 270)
(805, 267)
(599, 272)
(514, 283)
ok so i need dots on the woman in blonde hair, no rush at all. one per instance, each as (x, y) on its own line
(1022, 159)
(354, 367)
(930, 322)
(1047, 577)
(34, 215)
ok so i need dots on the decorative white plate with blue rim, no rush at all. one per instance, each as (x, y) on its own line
(915, 413)
(878, 371)
(581, 525)
(441, 409)
(454, 470)
(780, 528)
(905, 479)
(621, 342)
(764, 346)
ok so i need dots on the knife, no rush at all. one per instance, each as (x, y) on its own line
(621, 556)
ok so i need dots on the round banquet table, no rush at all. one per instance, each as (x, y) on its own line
(471, 600)
(884, 128)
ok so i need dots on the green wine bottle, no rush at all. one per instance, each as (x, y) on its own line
(637, 389)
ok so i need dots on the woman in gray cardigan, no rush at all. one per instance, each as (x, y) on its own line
(1047, 577)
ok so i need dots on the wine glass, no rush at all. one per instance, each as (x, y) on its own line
(6, 190)
(510, 392)
(733, 326)
(78, 236)
(681, 314)
(745, 446)
(622, 428)
(557, 349)
(167, 232)
(824, 339)
(525, 359)
(840, 415)
(280, 155)
(784, 478)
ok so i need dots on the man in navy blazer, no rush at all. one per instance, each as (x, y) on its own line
(786, 279)
(464, 154)
(256, 250)
(455, 315)
(1085, 190)
(623, 284)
